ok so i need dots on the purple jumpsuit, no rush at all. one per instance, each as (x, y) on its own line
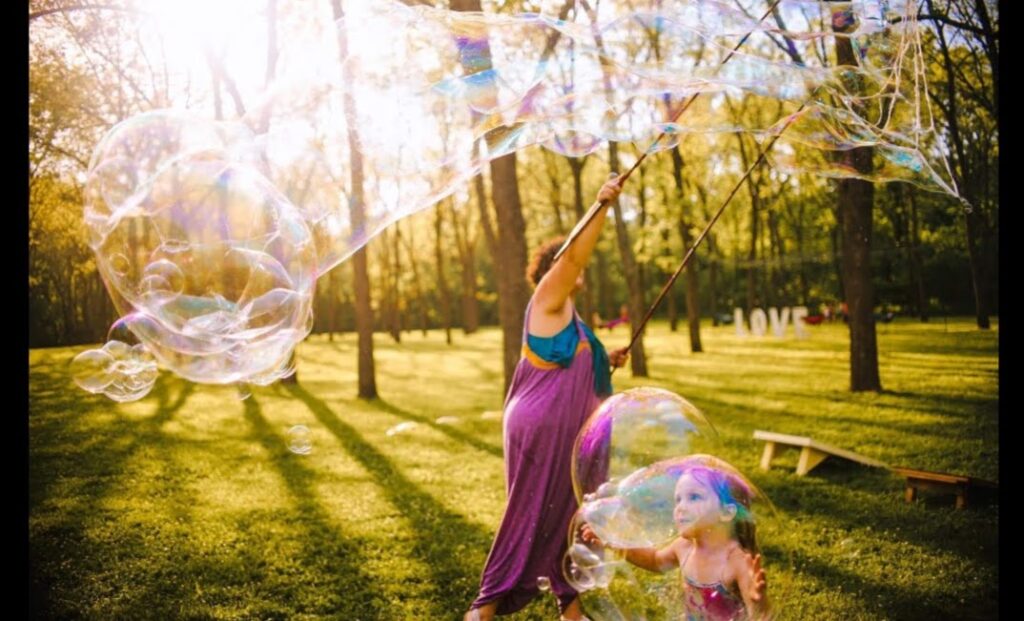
(545, 408)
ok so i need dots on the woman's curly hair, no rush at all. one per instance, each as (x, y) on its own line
(543, 259)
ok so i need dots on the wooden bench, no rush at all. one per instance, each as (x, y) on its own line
(959, 484)
(812, 452)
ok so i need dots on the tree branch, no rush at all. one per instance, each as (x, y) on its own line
(84, 7)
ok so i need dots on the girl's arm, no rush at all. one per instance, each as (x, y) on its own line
(653, 559)
(650, 559)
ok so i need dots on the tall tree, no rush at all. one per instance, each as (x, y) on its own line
(855, 202)
(444, 292)
(685, 226)
(465, 243)
(969, 57)
(357, 215)
(508, 247)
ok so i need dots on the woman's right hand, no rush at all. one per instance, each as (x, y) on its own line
(618, 357)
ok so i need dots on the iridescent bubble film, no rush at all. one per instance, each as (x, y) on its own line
(211, 234)
(630, 431)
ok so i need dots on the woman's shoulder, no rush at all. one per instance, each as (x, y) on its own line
(543, 325)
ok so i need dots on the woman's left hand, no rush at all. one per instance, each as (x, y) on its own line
(618, 357)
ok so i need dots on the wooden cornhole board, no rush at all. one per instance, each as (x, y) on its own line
(812, 452)
(959, 484)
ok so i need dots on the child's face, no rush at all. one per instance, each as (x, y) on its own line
(697, 506)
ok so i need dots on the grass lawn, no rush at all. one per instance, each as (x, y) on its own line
(189, 505)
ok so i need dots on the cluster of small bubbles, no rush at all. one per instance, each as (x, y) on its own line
(212, 266)
(123, 370)
(588, 565)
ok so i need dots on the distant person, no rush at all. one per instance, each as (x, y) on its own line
(622, 318)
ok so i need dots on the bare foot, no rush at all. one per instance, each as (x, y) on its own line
(483, 613)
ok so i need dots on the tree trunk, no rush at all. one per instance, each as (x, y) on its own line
(755, 218)
(804, 285)
(604, 286)
(466, 245)
(417, 283)
(637, 308)
(916, 270)
(967, 177)
(692, 283)
(442, 280)
(513, 290)
(779, 276)
(357, 215)
(855, 203)
(673, 311)
(508, 249)
(978, 275)
(396, 290)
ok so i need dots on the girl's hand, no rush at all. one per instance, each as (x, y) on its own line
(588, 536)
(757, 586)
(618, 357)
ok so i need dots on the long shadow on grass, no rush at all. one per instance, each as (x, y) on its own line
(952, 406)
(756, 417)
(451, 580)
(418, 345)
(862, 497)
(448, 430)
(351, 588)
(894, 601)
(52, 586)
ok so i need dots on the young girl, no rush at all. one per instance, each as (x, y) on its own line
(716, 550)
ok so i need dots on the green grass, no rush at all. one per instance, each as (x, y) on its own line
(189, 505)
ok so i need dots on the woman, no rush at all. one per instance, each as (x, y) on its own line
(562, 376)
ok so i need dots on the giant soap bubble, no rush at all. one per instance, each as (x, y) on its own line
(210, 235)
(213, 267)
(630, 431)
